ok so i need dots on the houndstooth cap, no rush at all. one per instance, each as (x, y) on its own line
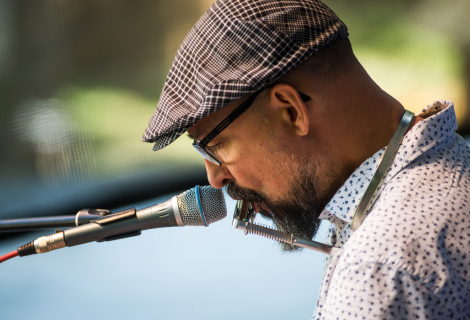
(236, 48)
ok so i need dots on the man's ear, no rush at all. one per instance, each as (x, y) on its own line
(291, 107)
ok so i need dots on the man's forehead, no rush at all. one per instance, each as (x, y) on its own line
(201, 128)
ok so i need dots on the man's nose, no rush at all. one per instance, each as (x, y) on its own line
(218, 176)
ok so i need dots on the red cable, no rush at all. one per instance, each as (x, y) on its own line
(8, 256)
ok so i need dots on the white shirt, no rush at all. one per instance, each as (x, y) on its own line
(410, 258)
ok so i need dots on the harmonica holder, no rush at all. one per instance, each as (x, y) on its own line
(243, 219)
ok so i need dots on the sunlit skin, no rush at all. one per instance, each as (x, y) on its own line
(346, 121)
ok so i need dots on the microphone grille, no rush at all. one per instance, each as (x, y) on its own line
(213, 206)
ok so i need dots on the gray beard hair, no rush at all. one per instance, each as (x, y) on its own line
(297, 212)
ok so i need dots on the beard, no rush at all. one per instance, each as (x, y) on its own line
(298, 211)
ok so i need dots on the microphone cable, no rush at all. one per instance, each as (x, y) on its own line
(9, 256)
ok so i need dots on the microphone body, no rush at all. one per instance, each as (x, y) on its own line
(196, 207)
(161, 215)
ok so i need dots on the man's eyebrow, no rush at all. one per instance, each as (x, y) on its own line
(191, 137)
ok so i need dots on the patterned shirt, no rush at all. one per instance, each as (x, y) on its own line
(410, 258)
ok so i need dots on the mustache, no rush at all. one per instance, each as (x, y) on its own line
(239, 193)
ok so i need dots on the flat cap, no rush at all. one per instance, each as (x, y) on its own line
(236, 48)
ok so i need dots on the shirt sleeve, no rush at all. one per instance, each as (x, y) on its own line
(381, 291)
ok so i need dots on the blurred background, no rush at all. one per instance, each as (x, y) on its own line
(79, 81)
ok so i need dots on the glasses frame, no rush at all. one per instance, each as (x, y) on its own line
(201, 146)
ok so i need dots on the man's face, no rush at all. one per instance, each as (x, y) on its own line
(266, 162)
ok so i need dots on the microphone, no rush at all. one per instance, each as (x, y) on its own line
(199, 206)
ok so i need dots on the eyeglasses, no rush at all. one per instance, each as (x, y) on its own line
(201, 146)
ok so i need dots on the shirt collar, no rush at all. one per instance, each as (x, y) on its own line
(340, 210)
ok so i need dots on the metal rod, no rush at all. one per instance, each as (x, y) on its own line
(313, 245)
(251, 228)
(37, 223)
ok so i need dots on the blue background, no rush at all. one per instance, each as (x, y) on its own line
(169, 273)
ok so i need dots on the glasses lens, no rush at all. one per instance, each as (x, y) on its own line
(207, 155)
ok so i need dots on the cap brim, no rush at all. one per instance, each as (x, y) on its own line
(163, 141)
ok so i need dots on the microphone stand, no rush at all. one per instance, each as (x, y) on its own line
(55, 222)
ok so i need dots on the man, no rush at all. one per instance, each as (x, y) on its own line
(286, 117)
